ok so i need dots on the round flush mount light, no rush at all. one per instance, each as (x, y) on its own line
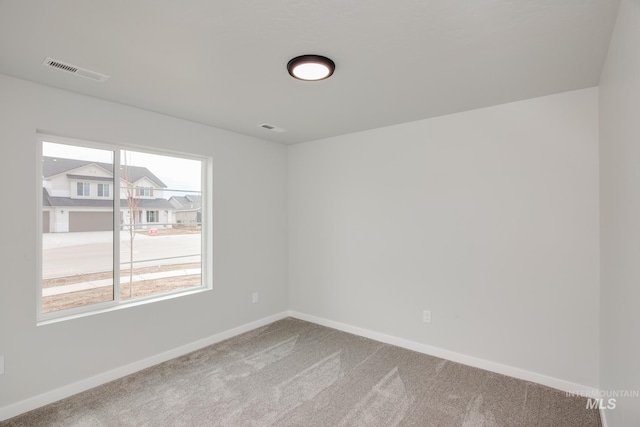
(311, 67)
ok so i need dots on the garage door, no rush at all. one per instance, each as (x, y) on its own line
(45, 221)
(90, 221)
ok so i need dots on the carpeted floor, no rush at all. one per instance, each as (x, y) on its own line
(296, 373)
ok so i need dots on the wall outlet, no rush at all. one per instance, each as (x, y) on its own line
(254, 297)
(426, 316)
(1, 365)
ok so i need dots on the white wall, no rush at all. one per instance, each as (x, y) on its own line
(250, 244)
(489, 218)
(620, 216)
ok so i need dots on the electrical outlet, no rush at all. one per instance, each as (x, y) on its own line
(1, 365)
(426, 316)
(254, 297)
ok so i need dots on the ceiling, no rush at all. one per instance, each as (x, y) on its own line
(223, 63)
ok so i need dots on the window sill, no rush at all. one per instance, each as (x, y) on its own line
(123, 305)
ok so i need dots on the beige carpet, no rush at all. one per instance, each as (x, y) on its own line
(295, 373)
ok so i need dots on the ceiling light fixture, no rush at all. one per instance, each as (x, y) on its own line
(311, 67)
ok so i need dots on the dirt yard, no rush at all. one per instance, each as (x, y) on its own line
(103, 294)
(172, 231)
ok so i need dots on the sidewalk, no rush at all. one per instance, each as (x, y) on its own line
(58, 290)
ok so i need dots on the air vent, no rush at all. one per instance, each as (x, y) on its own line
(74, 69)
(272, 128)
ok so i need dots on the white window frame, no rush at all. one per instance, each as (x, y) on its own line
(206, 249)
(155, 214)
(103, 186)
(86, 189)
(144, 191)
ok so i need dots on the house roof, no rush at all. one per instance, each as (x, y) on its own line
(45, 198)
(49, 201)
(90, 178)
(52, 166)
(150, 203)
(190, 202)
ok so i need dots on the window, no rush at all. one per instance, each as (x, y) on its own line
(98, 253)
(152, 216)
(83, 189)
(103, 190)
(145, 191)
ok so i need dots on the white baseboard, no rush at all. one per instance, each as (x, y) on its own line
(31, 403)
(487, 365)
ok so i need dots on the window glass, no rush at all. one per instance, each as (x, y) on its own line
(84, 189)
(103, 190)
(77, 244)
(158, 239)
(153, 239)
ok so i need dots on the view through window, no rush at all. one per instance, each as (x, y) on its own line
(98, 250)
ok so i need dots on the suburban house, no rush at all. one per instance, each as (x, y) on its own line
(188, 209)
(77, 195)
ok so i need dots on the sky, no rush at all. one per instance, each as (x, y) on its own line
(175, 172)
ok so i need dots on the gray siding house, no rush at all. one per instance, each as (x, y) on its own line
(77, 195)
(188, 209)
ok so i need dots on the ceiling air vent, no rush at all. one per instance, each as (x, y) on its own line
(74, 69)
(272, 128)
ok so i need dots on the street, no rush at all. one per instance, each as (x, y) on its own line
(68, 254)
